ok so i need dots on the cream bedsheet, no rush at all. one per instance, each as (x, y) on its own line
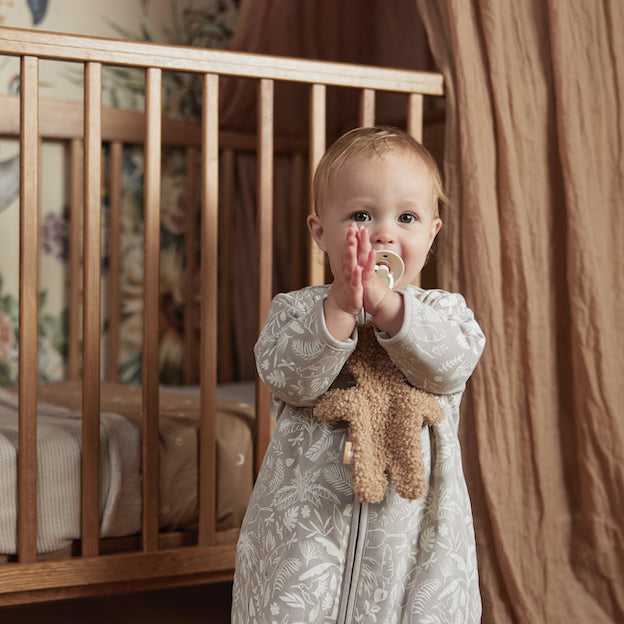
(59, 455)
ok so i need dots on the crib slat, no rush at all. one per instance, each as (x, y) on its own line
(150, 308)
(318, 122)
(189, 371)
(265, 196)
(225, 282)
(74, 264)
(209, 296)
(415, 116)
(91, 311)
(298, 197)
(114, 273)
(265, 249)
(367, 107)
(415, 112)
(28, 311)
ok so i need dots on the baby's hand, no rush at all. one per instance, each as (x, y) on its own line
(347, 286)
(380, 301)
(357, 286)
(374, 290)
(344, 301)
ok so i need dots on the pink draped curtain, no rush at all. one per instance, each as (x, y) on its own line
(534, 141)
(534, 239)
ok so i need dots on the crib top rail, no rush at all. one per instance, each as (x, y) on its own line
(15, 41)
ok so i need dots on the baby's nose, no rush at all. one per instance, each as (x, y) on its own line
(382, 236)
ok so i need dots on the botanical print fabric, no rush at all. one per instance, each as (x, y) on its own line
(309, 551)
(196, 22)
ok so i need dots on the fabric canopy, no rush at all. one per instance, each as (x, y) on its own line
(534, 239)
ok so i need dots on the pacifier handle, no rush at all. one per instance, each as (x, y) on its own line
(389, 267)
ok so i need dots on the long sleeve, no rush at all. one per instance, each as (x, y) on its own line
(439, 343)
(296, 357)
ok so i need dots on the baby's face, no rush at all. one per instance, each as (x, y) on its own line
(392, 197)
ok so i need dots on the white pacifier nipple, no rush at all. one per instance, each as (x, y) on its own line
(389, 267)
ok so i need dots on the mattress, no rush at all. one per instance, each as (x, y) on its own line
(59, 459)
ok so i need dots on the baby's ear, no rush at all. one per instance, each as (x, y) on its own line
(435, 228)
(316, 229)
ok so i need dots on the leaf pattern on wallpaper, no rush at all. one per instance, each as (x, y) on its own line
(52, 342)
(38, 10)
(9, 311)
(9, 181)
(209, 25)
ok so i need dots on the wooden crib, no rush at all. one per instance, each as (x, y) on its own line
(155, 558)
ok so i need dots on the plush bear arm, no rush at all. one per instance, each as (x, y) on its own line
(338, 406)
(430, 408)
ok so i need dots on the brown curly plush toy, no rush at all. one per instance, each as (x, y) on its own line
(385, 416)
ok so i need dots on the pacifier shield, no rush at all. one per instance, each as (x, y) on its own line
(389, 267)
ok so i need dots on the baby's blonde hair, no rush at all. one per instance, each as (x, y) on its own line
(376, 140)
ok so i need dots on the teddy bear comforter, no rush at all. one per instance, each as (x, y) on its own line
(309, 550)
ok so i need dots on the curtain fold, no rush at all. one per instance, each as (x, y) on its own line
(590, 123)
(533, 239)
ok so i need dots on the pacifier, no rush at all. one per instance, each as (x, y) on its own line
(388, 267)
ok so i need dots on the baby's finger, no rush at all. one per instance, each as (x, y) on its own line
(349, 257)
(364, 246)
(368, 268)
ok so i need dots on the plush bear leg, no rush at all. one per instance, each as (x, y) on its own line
(368, 471)
(407, 476)
(406, 469)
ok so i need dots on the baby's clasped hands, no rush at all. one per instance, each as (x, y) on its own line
(361, 283)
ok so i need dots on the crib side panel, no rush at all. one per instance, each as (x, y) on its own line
(157, 557)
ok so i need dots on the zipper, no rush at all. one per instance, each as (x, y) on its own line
(353, 563)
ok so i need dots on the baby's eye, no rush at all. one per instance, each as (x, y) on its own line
(360, 216)
(407, 217)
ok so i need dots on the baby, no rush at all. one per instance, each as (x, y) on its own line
(387, 202)
(309, 549)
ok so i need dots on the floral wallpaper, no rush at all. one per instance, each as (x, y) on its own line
(207, 23)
